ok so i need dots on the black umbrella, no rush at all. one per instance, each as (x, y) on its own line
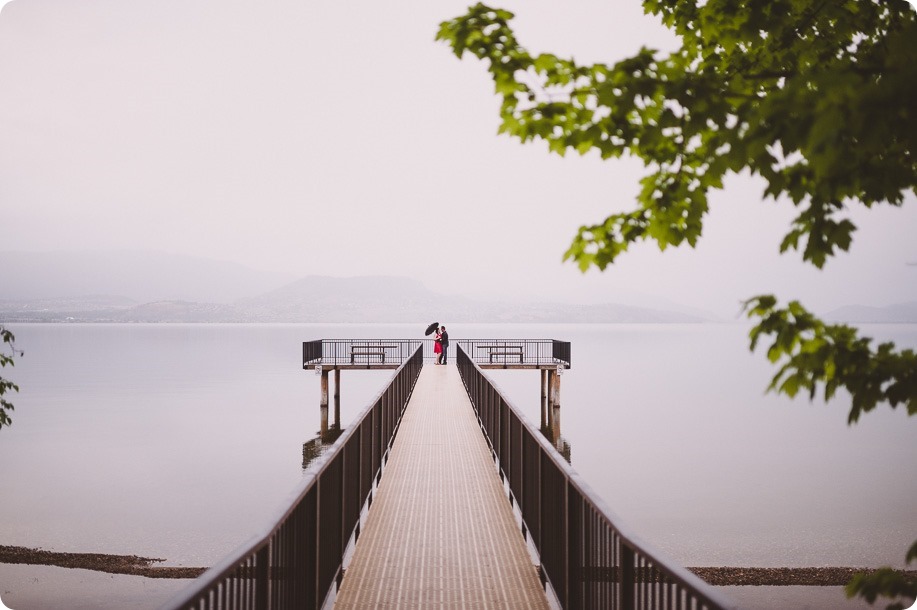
(431, 328)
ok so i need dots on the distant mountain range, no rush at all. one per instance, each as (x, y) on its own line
(156, 287)
(140, 286)
(326, 299)
(901, 313)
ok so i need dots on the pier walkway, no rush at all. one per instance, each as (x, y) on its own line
(441, 532)
(411, 506)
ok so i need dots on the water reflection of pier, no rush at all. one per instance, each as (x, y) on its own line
(313, 448)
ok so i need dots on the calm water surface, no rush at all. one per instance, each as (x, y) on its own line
(181, 441)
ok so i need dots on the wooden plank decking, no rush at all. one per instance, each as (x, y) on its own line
(440, 533)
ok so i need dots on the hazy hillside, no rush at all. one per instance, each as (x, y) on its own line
(396, 299)
(156, 287)
(901, 313)
(354, 299)
(142, 276)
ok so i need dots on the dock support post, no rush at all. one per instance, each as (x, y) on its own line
(337, 398)
(324, 404)
(550, 399)
(544, 398)
(555, 406)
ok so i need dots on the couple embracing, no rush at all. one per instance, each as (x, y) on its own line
(441, 345)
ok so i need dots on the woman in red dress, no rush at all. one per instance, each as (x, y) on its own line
(437, 346)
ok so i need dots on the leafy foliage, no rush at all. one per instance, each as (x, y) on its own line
(833, 355)
(885, 583)
(5, 384)
(816, 97)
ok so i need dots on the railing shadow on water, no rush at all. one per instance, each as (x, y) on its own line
(588, 556)
(296, 560)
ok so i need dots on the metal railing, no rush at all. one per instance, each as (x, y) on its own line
(590, 559)
(311, 351)
(294, 562)
(367, 352)
(560, 350)
(517, 352)
(486, 352)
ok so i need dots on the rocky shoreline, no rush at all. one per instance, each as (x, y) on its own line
(783, 577)
(98, 562)
(143, 566)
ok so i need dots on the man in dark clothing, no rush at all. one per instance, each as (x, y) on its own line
(444, 342)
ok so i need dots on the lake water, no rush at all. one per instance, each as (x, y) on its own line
(180, 441)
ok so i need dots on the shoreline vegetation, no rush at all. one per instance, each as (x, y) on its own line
(134, 565)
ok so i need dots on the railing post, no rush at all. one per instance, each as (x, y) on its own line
(575, 545)
(565, 548)
(628, 584)
(262, 580)
(317, 557)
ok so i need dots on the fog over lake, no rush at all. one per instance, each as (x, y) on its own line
(167, 164)
(180, 441)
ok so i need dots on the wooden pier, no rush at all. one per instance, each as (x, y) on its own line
(412, 506)
(441, 532)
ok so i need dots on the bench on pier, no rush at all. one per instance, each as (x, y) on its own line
(368, 350)
(503, 350)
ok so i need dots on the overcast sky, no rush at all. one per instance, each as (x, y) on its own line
(338, 138)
